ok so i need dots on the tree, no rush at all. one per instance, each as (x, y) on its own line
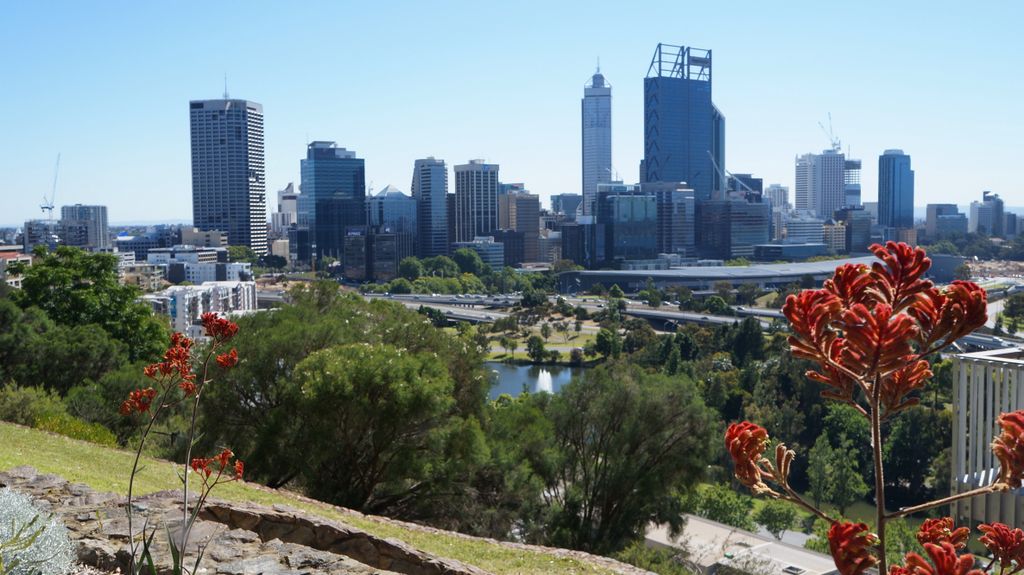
(630, 444)
(273, 262)
(847, 485)
(723, 504)
(580, 313)
(533, 298)
(241, 254)
(716, 305)
(608, 343)
(564, 265)
(563, 328)
(776, 517)
(77, 288)
(616, 292)
(400, 286)
(748, 341)
(535, 349)
(819, 469)
(442, 266)
(469, 261)
(410, 268)
(944, 247)
(545, 330)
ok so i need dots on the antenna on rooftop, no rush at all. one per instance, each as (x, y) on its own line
(598, 64)
(226, 86)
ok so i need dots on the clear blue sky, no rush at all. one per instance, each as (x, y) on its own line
(107, 84)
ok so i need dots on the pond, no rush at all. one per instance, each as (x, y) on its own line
(513, 379)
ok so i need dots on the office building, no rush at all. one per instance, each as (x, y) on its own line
(684, 133)
(596, 108)
(803, 228)
(630, 220)
(287, 210)
(94, 218)
(228, 175)
(430, 190)
(567, 204)
(895, 190)
(987, 216)
(858, 228)
(730, 228)
(986, 384)
(834, 236)
(744, 184)
(520, 211)
(944, 221)
(1011, 227)
(201, 239)
(851, 182)
(333, 197)
(490, 251)
(550, 246)
(513, 245)
(476, 200)
(160, 236)
(820, 183)
(391, 209)
(676, 217)
(778, 196)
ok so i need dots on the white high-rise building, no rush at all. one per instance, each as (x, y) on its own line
(228, 176)
(778, 196)
(597, 137)
(287, 210)
(821, 182)
(430, 190)
(476, 200)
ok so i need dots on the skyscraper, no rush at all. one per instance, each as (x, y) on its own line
(430, 190)
(895, 190)
(676, 216)
(94, 219)
(391, 209)
(597, 137)
(821, 183)
(778, 196)
(287, 210)
(944, 220)
(520, 212)
(333, 196)
(476, 200)
(228, 177)
(987, 216)
(684, 133)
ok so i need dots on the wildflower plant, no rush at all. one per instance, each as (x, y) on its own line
(869, 331)
(180, 380)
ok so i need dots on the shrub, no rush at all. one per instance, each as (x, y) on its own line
(26, 405)
(30, 542)
(70, 426)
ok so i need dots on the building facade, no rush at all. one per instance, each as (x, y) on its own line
(567, 204)
(895, 190)
(821, 183)
(333, 197)
(520, 212)
(430, 190)
(228, 175)
(944, 220)
(986, 384)
(185, 305)
(629, 220)
(491, 252)
(476, 200)
(987, 216)
(287, 211)
(684, 133)
(676, 208)
(94, 219)
(596, 120)
(392, 209)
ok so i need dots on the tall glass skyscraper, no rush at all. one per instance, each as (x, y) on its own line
(333, 197)
(430, 190)
(476, 200)
(683, 130)
(895, 190)
(391, 209)
(596, 108)
(229, 190)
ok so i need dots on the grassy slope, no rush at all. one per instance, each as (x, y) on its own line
(107, 469)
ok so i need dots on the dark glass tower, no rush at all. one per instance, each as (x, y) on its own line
(430, 190)
(333, 197)
(895, 190)
(683, 130)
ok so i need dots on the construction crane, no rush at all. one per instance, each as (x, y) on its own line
(726, 174)
(47, 205)
(832, 139)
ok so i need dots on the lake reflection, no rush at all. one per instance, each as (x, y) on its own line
(514, 379)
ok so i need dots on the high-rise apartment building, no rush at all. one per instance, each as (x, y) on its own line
(987, 216)
(430, 190)
(333, 197)
(684, 133)
(520, 211)
(390, 208)
(895, 190)
(821, 183)
(94, 218)
(778, 196)
(476, 200)
(228, 176)
(596, 108)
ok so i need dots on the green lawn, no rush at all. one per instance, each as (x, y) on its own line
(107, 469)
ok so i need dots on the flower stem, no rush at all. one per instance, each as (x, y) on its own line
(944, 501)
(876, 445)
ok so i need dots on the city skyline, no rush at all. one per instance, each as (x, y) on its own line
(533, 133)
